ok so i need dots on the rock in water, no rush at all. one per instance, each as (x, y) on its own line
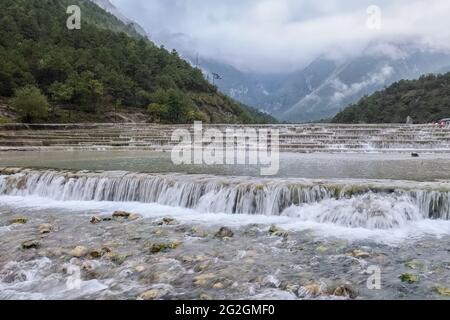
(224, 232)
(409, 278)
(19, 220)
(345, 291)
(95, 220)
(121, 214)
(443, 291)
(161, 247)
(79, 252)
(45, 228)
(31, 244)
(134, 217)
(150, 295)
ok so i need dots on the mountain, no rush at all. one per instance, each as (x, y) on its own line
(326, 86)
(105, 65)
(425, 100)
(112, 9)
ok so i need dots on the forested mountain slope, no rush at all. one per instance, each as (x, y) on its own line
(104, 65)
(426, 99)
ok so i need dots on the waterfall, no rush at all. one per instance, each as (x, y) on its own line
(235, 195)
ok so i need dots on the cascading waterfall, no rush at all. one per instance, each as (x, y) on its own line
(375, 204)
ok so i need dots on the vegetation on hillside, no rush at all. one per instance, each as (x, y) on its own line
(425, 100)
(104, 65)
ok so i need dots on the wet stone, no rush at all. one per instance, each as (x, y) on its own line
(45, 228)
(31, 244)
(79, 251)
(224, 232)
(121, 214)
(18, 220)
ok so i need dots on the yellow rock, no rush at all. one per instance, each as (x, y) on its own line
(359, 254)
(79, 252)
(134, 216)
(443, 291)
(18, 220)
(45, 228)
(139, 269)
(150, 295)
(204, 279)
(218, 286)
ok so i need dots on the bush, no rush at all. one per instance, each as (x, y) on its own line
(31, 104)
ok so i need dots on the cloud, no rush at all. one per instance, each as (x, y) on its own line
(284, 35)
(344, 91)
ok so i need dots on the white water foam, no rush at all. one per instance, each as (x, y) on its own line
(291, 220)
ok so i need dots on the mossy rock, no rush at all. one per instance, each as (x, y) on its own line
(18, 220)
(409, 278)
(164, 246)
(443, 291)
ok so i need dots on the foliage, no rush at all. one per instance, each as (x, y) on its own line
(426, 99)
(31, 103)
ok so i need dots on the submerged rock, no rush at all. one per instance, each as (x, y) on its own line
(278, 232)
(95, 220)
(45, 228)
(205, 297)
(198, 233)
(117, 258)
(204, 279)
(409, 278)
(218, 286)
(321, 249)
(359, 254)
(168, 221)
(134, 217)
(151, 294)
(31, 244)
(79, 251)
(121, 214)
(443, 291)
(345, 290)
(139, 269)
(95, 254)
(224, 232)
(164, 246)
(313, 289)
(18, 220)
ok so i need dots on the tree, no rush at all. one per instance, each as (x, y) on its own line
(60, 92)
(31, 103)
(157, 112)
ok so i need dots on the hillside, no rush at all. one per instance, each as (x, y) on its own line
(425, 100)
(107, 65)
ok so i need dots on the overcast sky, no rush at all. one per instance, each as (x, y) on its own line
(284, 35)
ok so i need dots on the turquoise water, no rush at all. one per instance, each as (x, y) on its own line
(315, 166)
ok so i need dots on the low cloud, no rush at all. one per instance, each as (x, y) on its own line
(285, 35)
